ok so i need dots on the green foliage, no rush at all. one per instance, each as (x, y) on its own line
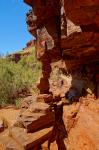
(30, 61)
(18, 102)
(16, 77)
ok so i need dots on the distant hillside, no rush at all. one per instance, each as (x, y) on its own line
(30, 47)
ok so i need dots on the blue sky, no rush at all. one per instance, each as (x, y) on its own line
(13, 30)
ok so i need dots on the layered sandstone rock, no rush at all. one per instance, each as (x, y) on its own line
(67, 32)
(76, 127)
(48, 35)
(36, 117)
(28, 141)
(71, 35)
(83, 12)
(18, 139)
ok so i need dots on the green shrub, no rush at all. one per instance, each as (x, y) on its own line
(17, 77)
(18, 103)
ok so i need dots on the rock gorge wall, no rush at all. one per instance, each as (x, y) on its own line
(66, 31)
(67, 36)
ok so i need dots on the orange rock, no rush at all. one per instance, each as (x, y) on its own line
(47, 98)
(81, 12)
(36, 117)
(30, 140)
(83, 133)
(7, 142)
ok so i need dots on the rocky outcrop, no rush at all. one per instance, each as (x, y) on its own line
(58, 126)
(26, 128)
(48, 36)
(30, 43)
(71, 35)
(83, 13)
(25, 52)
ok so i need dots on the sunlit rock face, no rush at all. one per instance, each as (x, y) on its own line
(81, 123)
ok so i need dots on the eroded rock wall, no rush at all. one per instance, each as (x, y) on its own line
(67, 32)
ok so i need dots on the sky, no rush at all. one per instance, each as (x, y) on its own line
(13, 29)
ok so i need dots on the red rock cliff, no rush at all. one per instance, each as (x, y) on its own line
(68, 32)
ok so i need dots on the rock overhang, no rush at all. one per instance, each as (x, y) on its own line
(29, 2)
